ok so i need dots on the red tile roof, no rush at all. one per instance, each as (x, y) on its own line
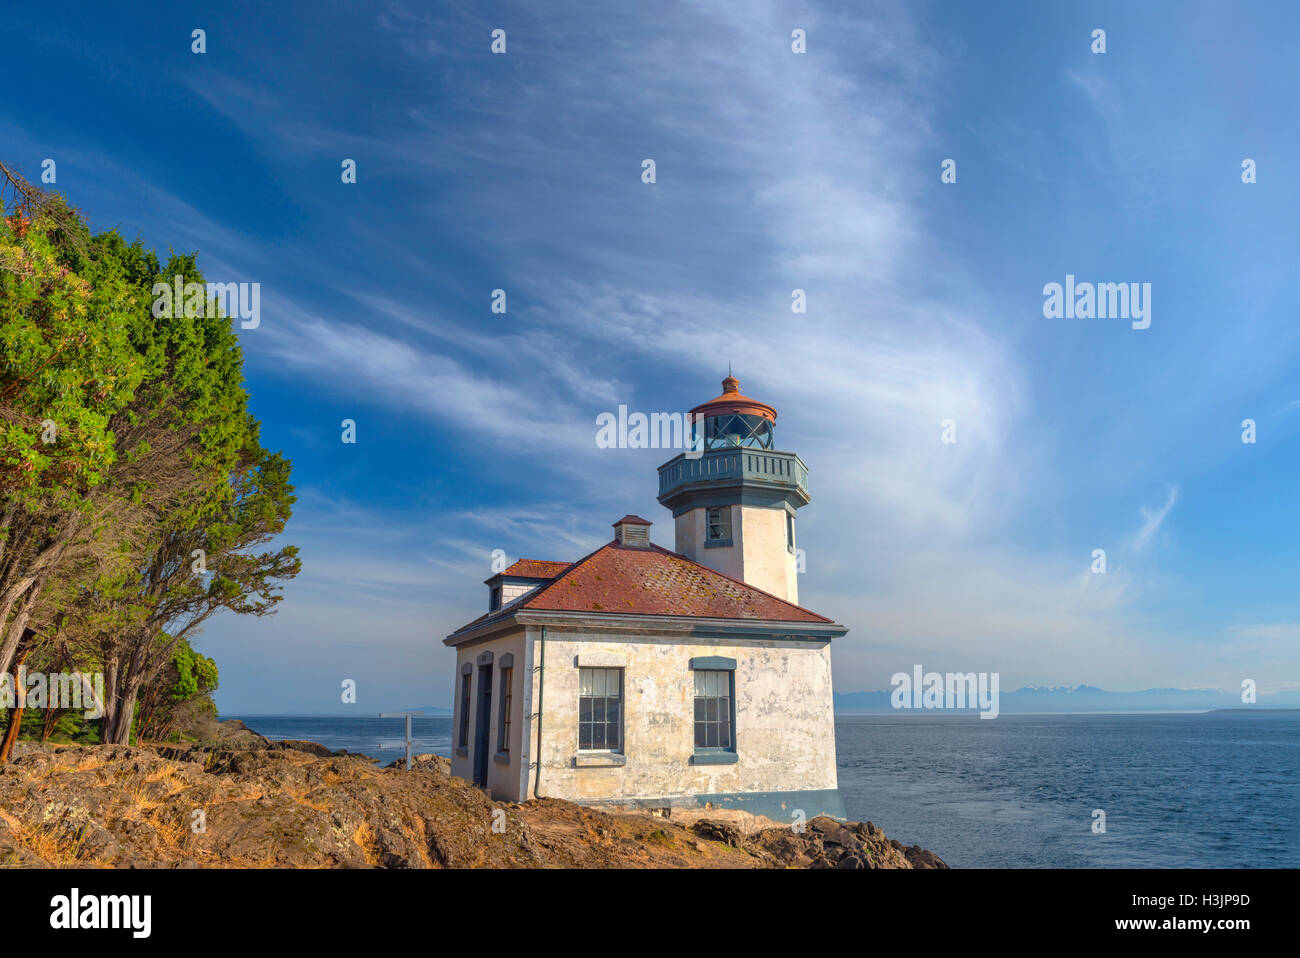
(536, 569)
(654, 581)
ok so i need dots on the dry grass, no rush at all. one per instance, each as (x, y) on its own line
(261, 863)
(141, 799)
(165, 774)
(419, 837)
(364, 836)
(51, 844)
(175, 834)
(303, 797)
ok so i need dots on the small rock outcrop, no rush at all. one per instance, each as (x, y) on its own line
(826, 843)
(425, 761)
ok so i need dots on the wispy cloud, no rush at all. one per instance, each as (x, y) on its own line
(1153, 519)
(776, 172)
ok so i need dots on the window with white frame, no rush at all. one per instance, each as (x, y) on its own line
(713, 714)
(600, 709)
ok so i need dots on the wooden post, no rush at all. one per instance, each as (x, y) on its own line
(407, 715)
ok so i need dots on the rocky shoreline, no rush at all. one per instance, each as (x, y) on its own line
(241, 800)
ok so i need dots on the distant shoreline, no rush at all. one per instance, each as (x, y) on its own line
(974, 713)
(1255, 710)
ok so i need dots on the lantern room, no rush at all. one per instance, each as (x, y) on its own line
(735, 420)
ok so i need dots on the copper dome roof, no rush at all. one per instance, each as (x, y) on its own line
(733, 401)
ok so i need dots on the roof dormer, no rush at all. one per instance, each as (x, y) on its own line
(632, 531)
(523, 577)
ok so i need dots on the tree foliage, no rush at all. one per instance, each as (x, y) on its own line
(181, 693)
(126, 451)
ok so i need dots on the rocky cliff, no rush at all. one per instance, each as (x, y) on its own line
(247, 802)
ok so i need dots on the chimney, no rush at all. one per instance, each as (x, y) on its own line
(633, 532)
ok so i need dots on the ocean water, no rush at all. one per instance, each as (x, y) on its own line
(362, 735)
(1212, 790)
(1209, 790)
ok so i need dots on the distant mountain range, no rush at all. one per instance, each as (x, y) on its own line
(1088, 698)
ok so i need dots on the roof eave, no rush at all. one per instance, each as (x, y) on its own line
(500, 576)
(485, 630)
(691, 624)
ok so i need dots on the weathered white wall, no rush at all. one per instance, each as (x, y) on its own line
(513, 590)
(769, 564)
(503, 778)
(785, 732)
(689, 530)
(758, 554)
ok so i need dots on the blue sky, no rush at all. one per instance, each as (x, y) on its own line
(775, 171)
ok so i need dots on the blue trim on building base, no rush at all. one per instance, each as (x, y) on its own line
(781, 806)
(778, 806)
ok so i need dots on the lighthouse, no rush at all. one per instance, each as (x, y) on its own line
(734, 502)
(677, 680)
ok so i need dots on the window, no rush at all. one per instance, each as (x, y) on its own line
(600, 694)
(719, 523)
(494, 600)
(464, 710)
(503, 742)
(713, 701)
(789, 532)
(728, 431)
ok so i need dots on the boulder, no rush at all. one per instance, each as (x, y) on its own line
(724, 832)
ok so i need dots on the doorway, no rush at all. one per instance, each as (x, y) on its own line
(482, 729)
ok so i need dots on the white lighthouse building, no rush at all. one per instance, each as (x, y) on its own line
(641, 677)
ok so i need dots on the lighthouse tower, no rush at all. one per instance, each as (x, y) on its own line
(734, 502)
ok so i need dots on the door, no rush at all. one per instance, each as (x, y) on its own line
(482, 727)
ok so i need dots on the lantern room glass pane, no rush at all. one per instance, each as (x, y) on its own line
(735, 429)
